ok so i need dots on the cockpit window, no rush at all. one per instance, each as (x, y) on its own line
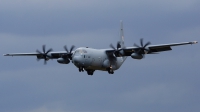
(80, 51)
(84, 51)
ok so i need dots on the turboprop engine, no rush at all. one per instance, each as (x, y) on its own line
(63, 61)
(44, 54)
(141, 50)
(118, 52)
(136, 56)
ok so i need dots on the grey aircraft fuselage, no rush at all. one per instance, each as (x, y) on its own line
(95, 59)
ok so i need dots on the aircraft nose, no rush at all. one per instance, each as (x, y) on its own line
(77, 59)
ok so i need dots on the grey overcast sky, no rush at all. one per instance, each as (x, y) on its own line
(165, 82)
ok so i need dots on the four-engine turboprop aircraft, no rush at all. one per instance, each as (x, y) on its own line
(90, 59)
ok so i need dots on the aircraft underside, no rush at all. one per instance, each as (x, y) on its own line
(90, 69)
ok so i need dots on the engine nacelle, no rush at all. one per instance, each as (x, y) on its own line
(63, 61)
(136, 56)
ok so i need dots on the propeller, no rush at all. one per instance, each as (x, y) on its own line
(69, 52)
(117, 50)
(142, 48)
(44, 53)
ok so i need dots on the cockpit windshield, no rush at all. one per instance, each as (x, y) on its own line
(80, 51)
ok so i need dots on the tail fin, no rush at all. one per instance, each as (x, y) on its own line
(121, 34)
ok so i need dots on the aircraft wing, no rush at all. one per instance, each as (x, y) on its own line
(156, 48)
(53, 55)
(152, 48)
(22, 54)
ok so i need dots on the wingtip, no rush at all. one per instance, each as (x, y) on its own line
(194, 42)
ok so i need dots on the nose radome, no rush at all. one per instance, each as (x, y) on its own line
(76, 59)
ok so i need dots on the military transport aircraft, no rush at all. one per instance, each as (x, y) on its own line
(90, 59)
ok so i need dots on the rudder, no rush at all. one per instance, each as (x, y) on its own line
(121, 34)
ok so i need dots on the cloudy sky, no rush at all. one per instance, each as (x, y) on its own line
(167, 82)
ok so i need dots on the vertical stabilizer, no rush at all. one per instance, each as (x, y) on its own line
(121, 34)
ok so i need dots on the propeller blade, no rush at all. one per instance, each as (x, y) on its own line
(38, 52)
(65, 47)
(49, 51)
(136, 45)
(148, 43)
(141, 42)
(112, 47)
(71, 49)
(45, 62)
(43, 48)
